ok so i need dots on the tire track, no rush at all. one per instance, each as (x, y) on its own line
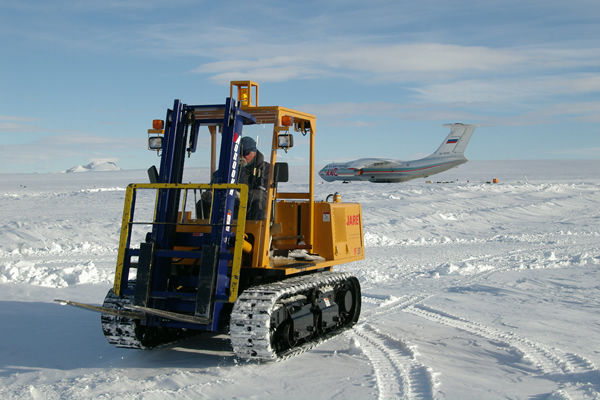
(563, 367)
(543, 359)
(375, 299)
(386, 304)
(398, 373)
(576, 376)
(579, 363)
(390, 377)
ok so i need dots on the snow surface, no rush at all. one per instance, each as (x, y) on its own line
(470, 291)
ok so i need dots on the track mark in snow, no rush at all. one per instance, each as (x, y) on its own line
(565, 368)
(542, 359)
(397, 372)
(376, 299)
(397, 304)
(386, 303)
(580, 363)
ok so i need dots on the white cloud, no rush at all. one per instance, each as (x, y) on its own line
(10, 123)
(13, 127)
(353, 113)
(13, 118)
(399, 62)
(167, 40)
(272, 74)
(309, 59)
(425, 63)
(103, 159)
(517, 90)
(591, 152)
(359, 114)
(423, 57)
(83, 140)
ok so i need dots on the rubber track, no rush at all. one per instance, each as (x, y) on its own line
(120, 331)
(250, 326)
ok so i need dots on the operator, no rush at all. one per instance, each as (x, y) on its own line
(254, 172)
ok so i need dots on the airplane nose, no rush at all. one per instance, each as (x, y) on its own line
(322, 173)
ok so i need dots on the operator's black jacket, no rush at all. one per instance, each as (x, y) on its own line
(256, 175)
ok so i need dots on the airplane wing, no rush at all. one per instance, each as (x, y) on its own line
(373, 163)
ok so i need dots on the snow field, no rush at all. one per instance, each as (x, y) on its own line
(470, 290)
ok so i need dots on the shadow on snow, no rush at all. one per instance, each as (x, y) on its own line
(49, 336)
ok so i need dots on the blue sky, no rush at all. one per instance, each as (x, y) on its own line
(82, 80)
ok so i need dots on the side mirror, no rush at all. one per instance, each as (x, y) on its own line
(281, 172)
(153, 174)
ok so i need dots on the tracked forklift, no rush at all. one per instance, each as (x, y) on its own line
(190, 260)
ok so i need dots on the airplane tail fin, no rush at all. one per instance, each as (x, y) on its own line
(456, 141)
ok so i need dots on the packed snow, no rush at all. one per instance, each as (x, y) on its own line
(471, 290)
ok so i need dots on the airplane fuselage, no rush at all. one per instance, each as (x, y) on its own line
(381, 171)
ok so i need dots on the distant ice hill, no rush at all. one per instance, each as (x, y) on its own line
(96, 165)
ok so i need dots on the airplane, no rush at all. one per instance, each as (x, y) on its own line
(449, 155)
